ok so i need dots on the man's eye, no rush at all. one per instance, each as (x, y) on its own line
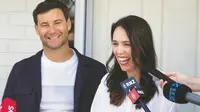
(114, 43)
(44, 25)
(58, 22)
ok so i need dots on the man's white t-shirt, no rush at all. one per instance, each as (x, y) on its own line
(58, 81)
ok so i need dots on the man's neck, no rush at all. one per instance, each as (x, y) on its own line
(58, 55)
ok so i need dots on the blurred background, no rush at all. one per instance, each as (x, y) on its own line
(175, 25)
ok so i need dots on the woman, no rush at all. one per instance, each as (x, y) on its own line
(133, 53)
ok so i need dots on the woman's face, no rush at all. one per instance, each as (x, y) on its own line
(122, 49)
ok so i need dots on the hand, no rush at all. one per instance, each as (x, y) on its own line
(177, 77)
(162, 83)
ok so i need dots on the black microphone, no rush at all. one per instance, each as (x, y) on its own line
(159, 75)
(134, 92)
(180, 93)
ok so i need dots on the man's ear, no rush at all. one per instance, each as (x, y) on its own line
(69, 24)
(36, 29)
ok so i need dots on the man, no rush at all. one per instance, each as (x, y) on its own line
(57, 78)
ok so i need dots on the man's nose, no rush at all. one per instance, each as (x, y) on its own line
(52, 30)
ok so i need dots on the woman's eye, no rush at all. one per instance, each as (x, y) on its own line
(127, 44)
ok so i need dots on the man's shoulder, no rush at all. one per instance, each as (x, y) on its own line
(93, 65)
(91, 61)
(29, 59)
(85, 59)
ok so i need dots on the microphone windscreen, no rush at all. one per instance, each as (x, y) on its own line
(8, 105)
(176, 92)
(133, 95)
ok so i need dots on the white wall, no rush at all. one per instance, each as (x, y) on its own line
(17, 35)
(175, 25)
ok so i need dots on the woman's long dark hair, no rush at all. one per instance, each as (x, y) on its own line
(143, 55)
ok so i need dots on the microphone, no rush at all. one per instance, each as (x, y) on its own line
(175, 92)
(134, 92)
(180, 93)
(159, 75)
(8, 105)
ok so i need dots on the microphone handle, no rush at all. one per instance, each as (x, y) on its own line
(159, 75)
(192, 98)
(144, 106)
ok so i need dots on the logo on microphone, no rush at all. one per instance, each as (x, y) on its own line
(129, 84)
(172, 91)
(124, 86)
(133, 95)
(140, 92)
(8, 105)
(10, 108)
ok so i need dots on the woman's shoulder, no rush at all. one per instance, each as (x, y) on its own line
(102, 86)
(159, 93)
(104, 78)
(159, 96)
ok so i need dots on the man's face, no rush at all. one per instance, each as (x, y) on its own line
(53, 28)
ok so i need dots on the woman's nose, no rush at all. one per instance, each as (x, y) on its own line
(120, 50)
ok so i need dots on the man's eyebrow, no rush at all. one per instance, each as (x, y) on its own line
(58, 20)
(43, 23)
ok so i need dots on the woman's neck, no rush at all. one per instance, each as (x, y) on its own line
(135, 74)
